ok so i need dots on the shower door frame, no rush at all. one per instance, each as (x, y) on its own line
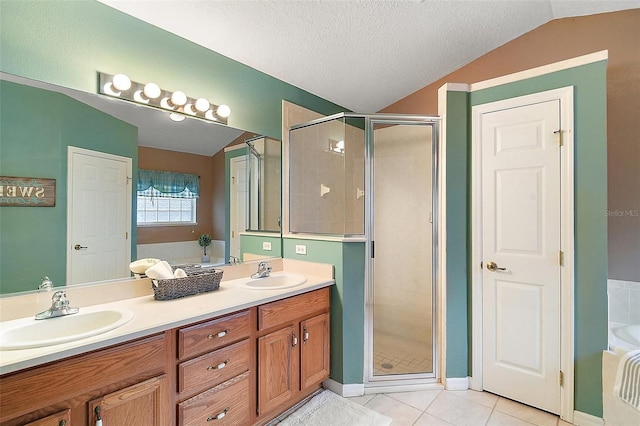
(373, 383)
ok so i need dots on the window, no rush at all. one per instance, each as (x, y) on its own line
(166, 198)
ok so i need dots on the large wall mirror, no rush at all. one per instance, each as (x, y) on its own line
(39, 122)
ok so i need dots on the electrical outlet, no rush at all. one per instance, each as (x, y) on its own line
(301, 249)
(266, 245)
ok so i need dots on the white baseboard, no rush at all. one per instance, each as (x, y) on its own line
(346, 391)
(456, 383)
(584, 419)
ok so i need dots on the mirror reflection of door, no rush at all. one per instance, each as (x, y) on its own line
(238, 207)
(99, 216)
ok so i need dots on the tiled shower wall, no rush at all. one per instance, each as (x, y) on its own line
(624, 301)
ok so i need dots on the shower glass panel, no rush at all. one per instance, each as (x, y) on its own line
(326, 177)
(373, 176)
(402, 332)
(264, 173)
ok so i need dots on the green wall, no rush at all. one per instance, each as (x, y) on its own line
(347, 302)
(457, 196)
(36, 127)
(68, 42)
(253, 244)
(591, 321)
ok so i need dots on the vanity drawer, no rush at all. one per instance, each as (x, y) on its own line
(215, 367)
(287, 310)
(226, 404)
(201, 338)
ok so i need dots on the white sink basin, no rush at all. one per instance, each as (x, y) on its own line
(31, 333)
(275, 281)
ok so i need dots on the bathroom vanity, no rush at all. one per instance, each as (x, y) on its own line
(237, 356)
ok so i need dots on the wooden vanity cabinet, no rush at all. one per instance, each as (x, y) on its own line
(241, 368)
(293, 350)
(62, 418)
(127, 380)
(214, 360)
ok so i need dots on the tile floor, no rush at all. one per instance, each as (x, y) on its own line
(458, 408)
(399, 355)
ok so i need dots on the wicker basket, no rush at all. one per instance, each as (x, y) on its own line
(194, 283)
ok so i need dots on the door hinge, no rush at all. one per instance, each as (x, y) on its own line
(233, 234)
(373, 249)
(561, 379)
(559, 133)
(126, 235)
(561, 258)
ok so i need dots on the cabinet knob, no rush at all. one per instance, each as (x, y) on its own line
(219, 366)
(218, 416)
(220, 334)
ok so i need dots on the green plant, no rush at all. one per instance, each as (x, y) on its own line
(204, 241)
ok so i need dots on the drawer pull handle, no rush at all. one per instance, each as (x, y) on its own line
(219, 366)
(221, 334)
(219, 416)
(294, 340)
(306, 335)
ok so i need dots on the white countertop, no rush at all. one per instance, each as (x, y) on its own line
(153, 316)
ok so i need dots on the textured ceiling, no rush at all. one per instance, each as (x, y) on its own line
(362, 55)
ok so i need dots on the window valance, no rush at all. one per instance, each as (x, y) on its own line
(169, 184)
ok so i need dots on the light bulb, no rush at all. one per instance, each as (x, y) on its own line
(178, 98)
(176, 117)
(202, 104)
(121, 82)
(223, 111)
(151, 90)
(210, 115)
(189, 109)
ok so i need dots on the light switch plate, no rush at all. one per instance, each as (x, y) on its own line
(266, 245)
(301, 249)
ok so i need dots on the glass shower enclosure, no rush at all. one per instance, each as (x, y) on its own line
(374, 176)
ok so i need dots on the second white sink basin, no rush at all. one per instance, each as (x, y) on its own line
(275, 281)
(31, 333)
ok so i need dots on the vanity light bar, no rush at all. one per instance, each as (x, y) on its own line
(150, 94)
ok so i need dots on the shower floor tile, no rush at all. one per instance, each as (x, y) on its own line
(398, 355)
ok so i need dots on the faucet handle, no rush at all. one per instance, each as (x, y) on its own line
(59, 299)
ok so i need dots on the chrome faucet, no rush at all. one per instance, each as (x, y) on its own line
(59, 307)
(263, 270)
(46, 284)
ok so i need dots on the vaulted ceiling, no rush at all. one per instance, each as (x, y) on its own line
(363, 55)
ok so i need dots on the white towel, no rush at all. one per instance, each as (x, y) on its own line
(160, 271)
(627, 386)
(179, 273)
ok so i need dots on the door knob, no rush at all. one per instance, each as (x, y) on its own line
(493, 266)
(79, 247)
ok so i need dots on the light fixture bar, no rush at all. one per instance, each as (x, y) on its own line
(150, 94)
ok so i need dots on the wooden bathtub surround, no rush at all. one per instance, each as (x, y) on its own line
(242, 368)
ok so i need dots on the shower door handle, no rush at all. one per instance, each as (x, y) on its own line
(493, 266)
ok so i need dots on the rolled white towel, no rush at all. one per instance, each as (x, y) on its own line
(179, 273)
(160, 271)
(141, 265)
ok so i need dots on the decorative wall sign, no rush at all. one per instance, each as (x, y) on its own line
(27, 192)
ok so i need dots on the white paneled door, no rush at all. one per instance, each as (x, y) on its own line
(521, 218)
(238, 208)
(99, 216)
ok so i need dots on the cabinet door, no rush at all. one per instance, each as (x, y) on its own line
(277, 368)
(140, 404)
(63, 418)
(314, 351)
